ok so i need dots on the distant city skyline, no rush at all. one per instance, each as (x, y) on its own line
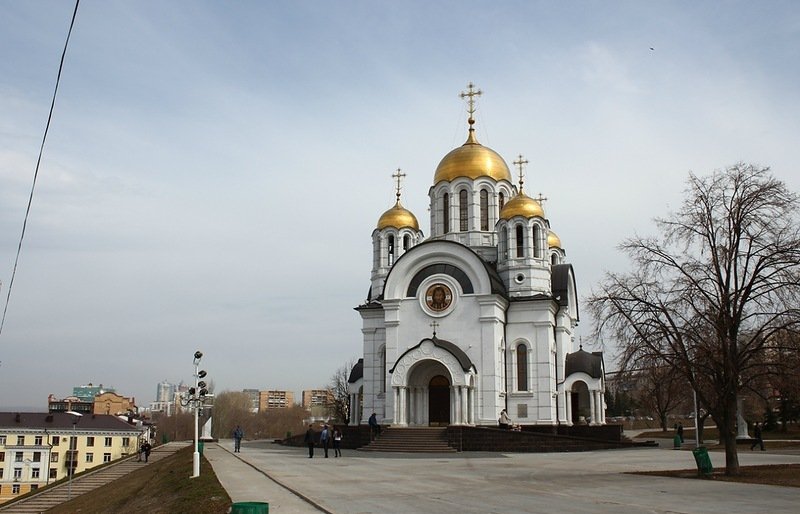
(214, 171)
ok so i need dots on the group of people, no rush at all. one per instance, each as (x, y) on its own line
(326, 437)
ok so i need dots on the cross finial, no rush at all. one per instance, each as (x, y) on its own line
(470, 94)
(434, 325)
(541, 199)
(520, 162)
(398, 176)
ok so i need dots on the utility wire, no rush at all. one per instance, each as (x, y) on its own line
(38, 162)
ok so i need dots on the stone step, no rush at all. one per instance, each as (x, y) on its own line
(411, 440)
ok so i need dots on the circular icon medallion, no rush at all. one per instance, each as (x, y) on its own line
(438, 297)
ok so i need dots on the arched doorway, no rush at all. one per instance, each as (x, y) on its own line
(439, 401)
(581, 409)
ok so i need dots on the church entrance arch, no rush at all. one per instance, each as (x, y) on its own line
(581, 410)
(439, 401)
(432, 383)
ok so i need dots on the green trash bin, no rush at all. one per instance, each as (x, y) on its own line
(200, 447)
(676, 442)
(703, 460)
(250, 508)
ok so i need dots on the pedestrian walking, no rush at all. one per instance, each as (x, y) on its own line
(374, 426)
(325, 439)
(238, 434)
(757, 438)
(337, 442)
(680, 431)
(309, 440)
(146, 450)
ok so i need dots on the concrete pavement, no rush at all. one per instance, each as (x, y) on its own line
(584, 482)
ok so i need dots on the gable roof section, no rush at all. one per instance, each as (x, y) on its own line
(463, 360)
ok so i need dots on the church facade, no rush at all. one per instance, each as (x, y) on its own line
(479, 316)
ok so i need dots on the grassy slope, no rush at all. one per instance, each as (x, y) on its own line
(159, 487)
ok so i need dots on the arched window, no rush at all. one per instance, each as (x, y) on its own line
(406, 243)
(501, 201)
(390, 255)
(484, 209)
(382, 367)
(520, 242)
(553, 258)
(463, 211)
(522, 368)
(537, 244)
(446, 212)
(503, 242)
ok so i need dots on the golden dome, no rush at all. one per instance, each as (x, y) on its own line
(553, 241)
(398, 217)
(472, 160)
(522, 205)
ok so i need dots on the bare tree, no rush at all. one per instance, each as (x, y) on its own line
(231, 408)
(341, 398)
(659, 391)
(722, 278)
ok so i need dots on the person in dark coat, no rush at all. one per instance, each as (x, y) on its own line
(237, 438)
(146, 450)
(309, 440)
(757, 439)
(680, 431)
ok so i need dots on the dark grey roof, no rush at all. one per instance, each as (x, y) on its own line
(61, 420)
(561, 277)
(458, 353)
(357, 372)
(582, 361)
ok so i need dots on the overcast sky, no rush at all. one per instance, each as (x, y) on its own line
(214, 170)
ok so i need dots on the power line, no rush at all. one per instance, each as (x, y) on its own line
(38, 162)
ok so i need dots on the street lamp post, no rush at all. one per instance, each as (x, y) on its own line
(73, 450)
(195, 400)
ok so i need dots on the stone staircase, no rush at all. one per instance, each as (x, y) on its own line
(411, 440)
(88, 481)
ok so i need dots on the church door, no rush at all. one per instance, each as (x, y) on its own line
(576, 404)
(439, 401)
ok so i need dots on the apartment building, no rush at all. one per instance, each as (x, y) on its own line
(38, 448)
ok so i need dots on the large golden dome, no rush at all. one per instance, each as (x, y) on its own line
(472, 160)
(522, 205)
(398, 217)
(553, 241)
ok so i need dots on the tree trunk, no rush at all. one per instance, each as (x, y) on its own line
(727, 433)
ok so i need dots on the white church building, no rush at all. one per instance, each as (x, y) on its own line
(477, 317)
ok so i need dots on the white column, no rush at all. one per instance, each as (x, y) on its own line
(602, 407)
(568, 406)
(452, 404)
(464, 405)
(403, 405)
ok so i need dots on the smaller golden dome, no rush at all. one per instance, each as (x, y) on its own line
(522, 205)
(553, 241)
(398, 217)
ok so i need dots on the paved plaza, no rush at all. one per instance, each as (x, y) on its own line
(464, 483)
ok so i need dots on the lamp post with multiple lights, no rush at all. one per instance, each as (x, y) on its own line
(195, 400)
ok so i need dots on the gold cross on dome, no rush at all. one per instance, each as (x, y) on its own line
(520, 162)
(541, 199)
(434, 325)
(398, 176)
(471, 93)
